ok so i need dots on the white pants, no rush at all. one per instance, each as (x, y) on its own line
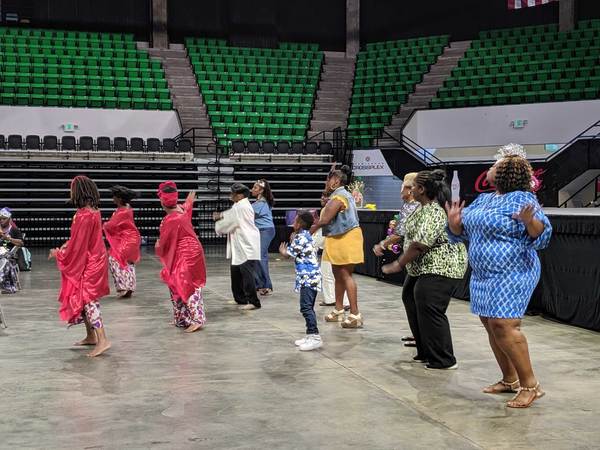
(328, 284)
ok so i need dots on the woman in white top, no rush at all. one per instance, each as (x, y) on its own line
(243, 246)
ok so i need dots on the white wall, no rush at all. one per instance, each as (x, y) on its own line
(547, 123)
(43, 121)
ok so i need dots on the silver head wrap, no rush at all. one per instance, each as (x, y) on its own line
(5, 213)
(511, 150)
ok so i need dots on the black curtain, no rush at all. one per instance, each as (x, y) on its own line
(382, 20)
(133, 16)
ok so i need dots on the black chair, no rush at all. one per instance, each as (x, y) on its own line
(103, 144)
(120, 144)
(268, 147)
(86, 143)
(15, 142)
(50, 143)
(169, 145)
(32, 142)
(68, 143)
(153, 145)
(325, 148)
(311, 148)
(253, 147)
(297, 148)
(2, 142)
(184, 146)
(136, 144)
(283, 147)
(238, 147)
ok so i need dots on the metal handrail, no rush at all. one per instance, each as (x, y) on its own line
(594, 180)
(575, 139)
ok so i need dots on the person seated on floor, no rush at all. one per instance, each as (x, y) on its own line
(11, 236)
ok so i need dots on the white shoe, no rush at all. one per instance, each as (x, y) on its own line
(299, 342)
(248, 307)
(313, 341)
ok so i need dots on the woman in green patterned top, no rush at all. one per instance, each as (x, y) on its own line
(434, 267)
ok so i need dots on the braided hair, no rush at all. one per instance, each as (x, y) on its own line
(84, 192)
(513, 173)
(435, 185)
(343, 173)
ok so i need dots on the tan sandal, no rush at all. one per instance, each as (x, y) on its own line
(335, 316)
(538, 394)
(506, 387)
(353, 321)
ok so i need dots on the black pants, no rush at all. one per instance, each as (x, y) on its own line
(243, 285)
(426, 299)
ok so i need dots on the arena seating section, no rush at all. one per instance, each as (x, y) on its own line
(256, 93)
(79, 69)
(386, 73)
(526, 65)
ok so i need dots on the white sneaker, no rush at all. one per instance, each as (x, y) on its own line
(312, 342)
(299, 342)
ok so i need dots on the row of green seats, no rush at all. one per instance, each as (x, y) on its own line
(71, 43)
(249, 70)
(83, 71)
(544, 75)
(82, 62)
(374, 117)
(376, 64)
(260, 128)
(252, 97)
(399, 52)
(415, 42)
(381, 88)
(206, 42)
(7, 98)
(525, 66)
(281, 62)
(533, 30)
(49, 52)
(394, 70)
(243, 86)
(61, 34)
(298, 92)
(400, 96)
(523, 86)
(516, 98)
(390, 107)
(534, 68)
(257, 118)
(233, 52)
(35, 78)
(555, 39)
(271, 108)
(522, 49)
(78, 89)
(306, 80)
(389, 81)
(546, 57)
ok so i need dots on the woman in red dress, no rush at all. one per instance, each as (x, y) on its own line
(124, 239)
(83, 266)
(182, 257)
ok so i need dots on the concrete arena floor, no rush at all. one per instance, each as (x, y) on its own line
(241, 384)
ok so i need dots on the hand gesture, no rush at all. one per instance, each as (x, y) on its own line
(378, 250)
(393, 267)
(53, 253)
(217, 216)
(454, 212)
(525, 215)
(283, 250)
(191, 197)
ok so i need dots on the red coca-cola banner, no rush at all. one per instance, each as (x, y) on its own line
(482, 184)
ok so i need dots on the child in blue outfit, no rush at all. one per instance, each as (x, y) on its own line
(308, 276)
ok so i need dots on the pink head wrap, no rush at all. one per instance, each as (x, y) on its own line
(168, 199)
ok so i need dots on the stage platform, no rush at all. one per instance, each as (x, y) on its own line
(241, 383)
(569, 287)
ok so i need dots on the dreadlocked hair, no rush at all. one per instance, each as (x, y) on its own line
(123, 193)
(513, 173)
(435, 185)
(84, 192)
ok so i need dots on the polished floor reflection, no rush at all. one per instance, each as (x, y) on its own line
(241, 383)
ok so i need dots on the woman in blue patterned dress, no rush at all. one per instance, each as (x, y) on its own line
(504, 229)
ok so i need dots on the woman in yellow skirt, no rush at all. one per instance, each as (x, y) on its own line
(343, 246)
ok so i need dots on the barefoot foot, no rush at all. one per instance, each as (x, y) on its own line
(99, 349)
(87, 341)
(193, 327)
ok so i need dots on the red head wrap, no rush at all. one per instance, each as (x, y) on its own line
(169, 199)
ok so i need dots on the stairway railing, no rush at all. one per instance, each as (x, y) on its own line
(594, 181)
(591, 132)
